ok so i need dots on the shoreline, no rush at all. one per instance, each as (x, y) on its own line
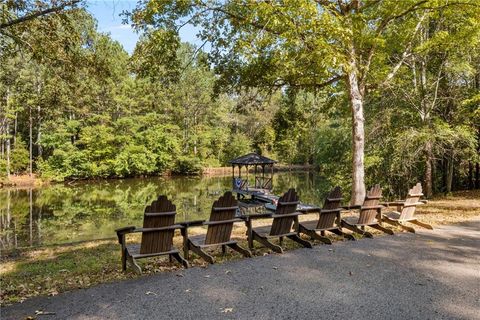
(25, 181)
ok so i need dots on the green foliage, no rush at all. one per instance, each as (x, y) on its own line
(239, 145)
(135, 160)
(187, 165)
(274, 81)
(3, 168)
(19, 157)
(333, 151)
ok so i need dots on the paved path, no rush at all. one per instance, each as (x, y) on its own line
(428, 275)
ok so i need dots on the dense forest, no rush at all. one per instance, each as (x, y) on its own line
(368, 91)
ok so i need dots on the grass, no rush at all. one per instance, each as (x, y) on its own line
(51, 270)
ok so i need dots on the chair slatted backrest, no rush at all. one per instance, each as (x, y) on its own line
(332, 202)
(225, 208)
(368, 216)
(413, 196)
(286, 204)
(160, 213)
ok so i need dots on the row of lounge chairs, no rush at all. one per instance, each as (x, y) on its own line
(159, 225)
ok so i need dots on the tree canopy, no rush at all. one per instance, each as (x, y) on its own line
(369, 91)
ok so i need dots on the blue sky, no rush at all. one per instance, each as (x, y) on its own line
(107, 13)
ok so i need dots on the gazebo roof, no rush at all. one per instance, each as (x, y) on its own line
(252, 159)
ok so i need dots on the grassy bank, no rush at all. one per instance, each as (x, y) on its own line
(51, 270)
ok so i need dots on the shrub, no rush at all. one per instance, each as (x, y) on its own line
(135, 160)
(19, 157)
(187, 165)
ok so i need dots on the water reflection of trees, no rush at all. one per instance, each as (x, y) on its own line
(63, 213)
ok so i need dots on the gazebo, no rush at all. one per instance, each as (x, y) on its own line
(262, 182)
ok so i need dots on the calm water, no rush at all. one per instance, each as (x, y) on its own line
(85, 211)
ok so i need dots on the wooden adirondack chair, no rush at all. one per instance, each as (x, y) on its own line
(285, 223)
(329, 219)
(157, 235)
(370, 214)
(406, 210)
(219, 232)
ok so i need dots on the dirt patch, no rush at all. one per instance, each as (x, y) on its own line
(22, 181)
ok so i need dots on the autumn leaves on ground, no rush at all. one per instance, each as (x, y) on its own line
(51, 270)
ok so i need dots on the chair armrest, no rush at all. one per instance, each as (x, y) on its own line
(286, 215)
(210, 223)
(256, 216)
(172, 227)
(372, 207)
(121, 232)
(355, 206)
(193, 223)
(124, 230)
(412, 204)
(393, 203)
(330, 210)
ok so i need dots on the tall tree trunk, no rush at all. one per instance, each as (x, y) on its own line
(471, 185)
(7, 135)
(39, 122)
(358, 133)
(449, 179)
(30, 141)
(15, 125)
(428, 169)
(477, 175)
(39, 133)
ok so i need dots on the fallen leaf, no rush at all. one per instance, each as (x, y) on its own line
(150, 293)
(228, 271)
(179, 275)
(350, 273)
(188, 290)
(53, 293)
(207, 276)
(275, 268)
(43, 313)
(226, 310)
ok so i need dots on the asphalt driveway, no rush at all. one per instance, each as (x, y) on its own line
(428, 275)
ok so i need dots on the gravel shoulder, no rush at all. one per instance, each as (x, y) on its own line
(427, 275)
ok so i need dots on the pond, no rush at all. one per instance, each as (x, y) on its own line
(62, 213)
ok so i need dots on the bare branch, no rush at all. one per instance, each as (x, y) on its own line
(406, 53)
(281, 83)
(36, 14)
